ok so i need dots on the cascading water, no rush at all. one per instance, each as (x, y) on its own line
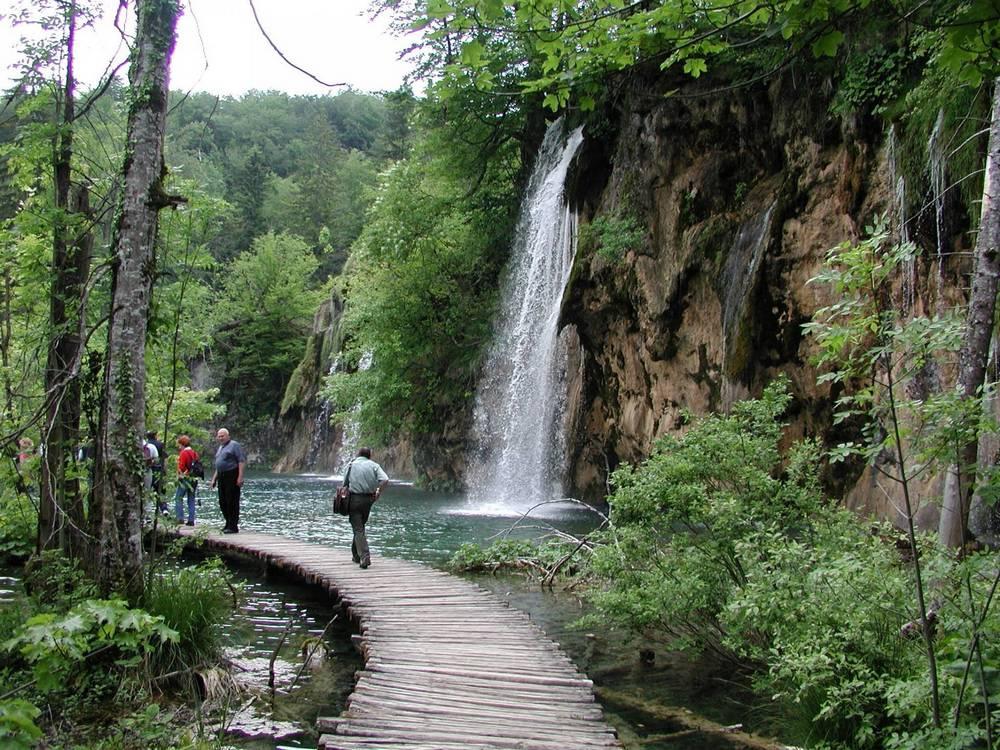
(350, 430)
(898, 183)
(936, 159)
(740, 275)
(519, 447)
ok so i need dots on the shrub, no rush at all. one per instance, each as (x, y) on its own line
(18, 730)
(673, 557)
(193, 601)
(18, 524)
(56, 582)
(509, 554)
(104, 631)
(717, 545)
(611, 237)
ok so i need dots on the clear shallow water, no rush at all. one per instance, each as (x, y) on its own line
(406, 522)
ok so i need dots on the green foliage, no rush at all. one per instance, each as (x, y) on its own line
(263, 316)
(822, 613)
(18, 730)
(874, 80)
(878, 352)
(55, 646)
(720, 545)
(508, 553)
(145, 726)
(18, 523)
(611, 237)
(57, 582)
(674, 559)
(420, 288)
(564, 51)
(193, 602)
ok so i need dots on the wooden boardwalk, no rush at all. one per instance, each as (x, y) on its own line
(448, 666)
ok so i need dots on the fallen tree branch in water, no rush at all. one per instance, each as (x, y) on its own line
(686, 721)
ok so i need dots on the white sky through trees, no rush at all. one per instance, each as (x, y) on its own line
(221, 50)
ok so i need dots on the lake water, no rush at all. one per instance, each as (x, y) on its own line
(406, 522)
(429, 527)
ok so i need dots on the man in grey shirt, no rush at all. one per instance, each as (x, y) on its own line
(230, 464)
(366, 480)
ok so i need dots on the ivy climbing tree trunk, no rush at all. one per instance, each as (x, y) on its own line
(71, 251)
(960, 480)
(116, 507)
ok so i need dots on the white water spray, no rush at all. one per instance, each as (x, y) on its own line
(519, 457)
(350, 429)
(898, 183)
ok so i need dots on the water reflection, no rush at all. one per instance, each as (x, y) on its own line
(280, 623)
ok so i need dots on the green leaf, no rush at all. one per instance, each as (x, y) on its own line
(827, 45)
(472, 53)
(695, 66)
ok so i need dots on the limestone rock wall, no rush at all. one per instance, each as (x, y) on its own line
(741, 194)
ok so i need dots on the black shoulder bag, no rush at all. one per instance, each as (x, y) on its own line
(342, 498)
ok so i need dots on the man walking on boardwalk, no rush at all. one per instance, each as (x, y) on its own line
(366, 480)
(230, 463)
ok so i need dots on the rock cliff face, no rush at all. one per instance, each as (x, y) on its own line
(303, 429)
(307, 439)
(737, 197)
(741, 195)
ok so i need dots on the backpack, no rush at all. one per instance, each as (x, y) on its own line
(196, 469)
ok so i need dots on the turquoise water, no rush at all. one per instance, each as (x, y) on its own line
(406, 522)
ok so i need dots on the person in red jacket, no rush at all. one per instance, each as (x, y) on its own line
(187, 485)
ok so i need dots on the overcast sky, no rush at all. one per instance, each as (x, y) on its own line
(221, 50)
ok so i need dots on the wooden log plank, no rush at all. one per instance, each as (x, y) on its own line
(517, 714)
(339, 742)
(558, 693)
(487, 673)
(429, 732)
(473, 726)
(482, 700)
(471, 661)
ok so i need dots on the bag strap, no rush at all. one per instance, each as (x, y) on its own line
(347, 476)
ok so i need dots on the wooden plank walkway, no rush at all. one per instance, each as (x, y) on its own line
(448, 666)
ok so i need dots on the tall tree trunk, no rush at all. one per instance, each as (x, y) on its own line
(71, 248)
(960, 479)
(116, 507)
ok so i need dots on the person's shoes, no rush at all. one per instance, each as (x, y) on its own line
(227, 530)
(190, 523)
(365, 565)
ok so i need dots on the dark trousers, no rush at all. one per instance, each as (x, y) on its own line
(229, 498)
(358, 512)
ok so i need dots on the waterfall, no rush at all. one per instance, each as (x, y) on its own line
(350, 430)
(936, 159)
(519, 448)
(321, 431)
(898, 184)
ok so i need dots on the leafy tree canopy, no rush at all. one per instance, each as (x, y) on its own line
(564, 48)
